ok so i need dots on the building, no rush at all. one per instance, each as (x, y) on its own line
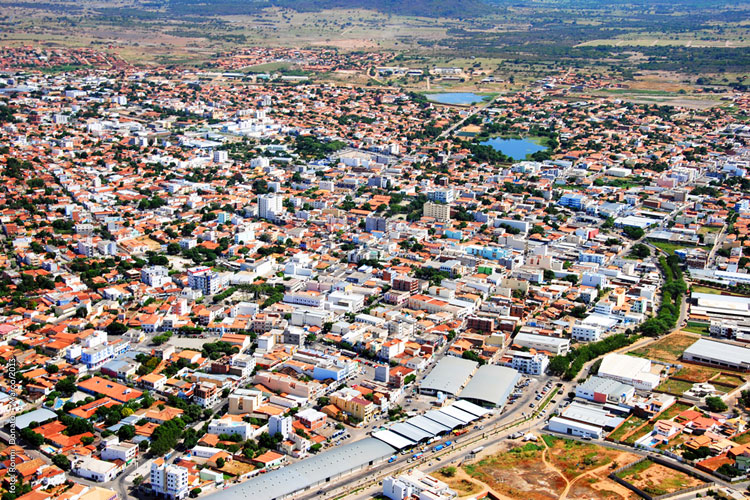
(122, 451)
(156, 276)
(312, 419)
(376, 224)
(94, 469)
(441, 213)
(269, 206)
(491, 386)
(529, 363)
(605, 390)
(280, 424)
(449, 376)
(554, 345)
(629, 370)
(113, 390)
(720, 354)
(168, 480)
(204, 279)
(232, 425)
(244, 401)
(444, 196)
(728, 329)
(416, 483)
(584, 420)
(586, 333)
(351, 402)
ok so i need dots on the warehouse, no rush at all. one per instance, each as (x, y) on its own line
(309, 473)
(716, 353)
(554, 345)
(491, 386)
(449, 376)
(584, 420)
(629, 370)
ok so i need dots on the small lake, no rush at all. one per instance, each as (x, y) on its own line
(456, 98)
(515, 148)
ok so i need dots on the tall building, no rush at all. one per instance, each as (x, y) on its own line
(204, 279)
(376, 224)
(279, 424)
(269, 206)
(169, 480)
(441, 213)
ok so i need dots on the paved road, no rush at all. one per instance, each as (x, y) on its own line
(491, 426)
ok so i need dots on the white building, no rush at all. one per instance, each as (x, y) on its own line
(528, 363)
(416, 484)
(232, 425)
(586, 333)
(204, 279)
(279, 424)
(629, 370)
(169, 480)
(122, 451)
(269, 206)
(94, 469)
(156, 276)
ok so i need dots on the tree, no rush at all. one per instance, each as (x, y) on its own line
(640, 251)
(220, 462)
(66, 386)
(634, 233)
(549, 275)
(126, 432)
(61, 461)
(116, 328)
(715, 404)
(449, 471)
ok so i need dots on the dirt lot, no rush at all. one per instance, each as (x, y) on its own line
(539, 472)
(657, 480)
(670, 348)
(236, 468)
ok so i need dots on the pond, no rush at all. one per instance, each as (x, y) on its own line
(517, 149)
(456, 98)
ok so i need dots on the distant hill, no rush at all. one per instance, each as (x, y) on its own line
(422, 8)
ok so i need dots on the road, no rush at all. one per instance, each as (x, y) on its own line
(506, 423)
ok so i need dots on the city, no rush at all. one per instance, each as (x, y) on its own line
(278, 285)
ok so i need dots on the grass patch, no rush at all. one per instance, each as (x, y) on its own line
(646, 429)
(635, 470)
(673, 411)
(704, 289)
(698, 328)
(743, 438)
(669, 348)
(669, 248)
(630, 423)
(673, 386)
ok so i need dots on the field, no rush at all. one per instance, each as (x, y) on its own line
(694, 327)
(669, 348)
(545, 470)
(673, 411)
(629, 425)
(673, 386)
(656, 479)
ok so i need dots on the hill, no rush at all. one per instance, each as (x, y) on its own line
(458, 9)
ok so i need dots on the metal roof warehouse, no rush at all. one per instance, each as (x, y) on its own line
(491, 385)
(448, 376)
(308, 473)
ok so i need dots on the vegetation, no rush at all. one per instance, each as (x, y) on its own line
(673, 289)
(570, 364)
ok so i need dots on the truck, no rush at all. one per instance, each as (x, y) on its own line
(417, 456)
(392, 459)
(439, 447)
(448, 443)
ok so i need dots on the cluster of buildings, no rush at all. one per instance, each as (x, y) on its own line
(313, 256)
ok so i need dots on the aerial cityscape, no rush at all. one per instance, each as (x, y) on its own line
(429, 250)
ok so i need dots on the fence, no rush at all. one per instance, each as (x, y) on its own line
(709, 483)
